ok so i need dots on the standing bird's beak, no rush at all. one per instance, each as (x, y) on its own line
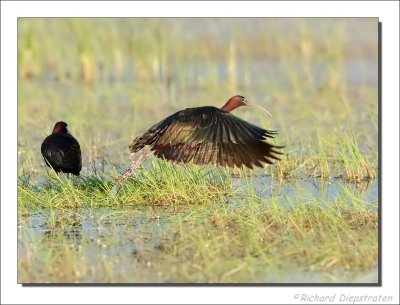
(247, 103)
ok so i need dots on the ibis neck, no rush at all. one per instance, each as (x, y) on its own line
(229, 106)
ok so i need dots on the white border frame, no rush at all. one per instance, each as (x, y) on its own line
(12, 293)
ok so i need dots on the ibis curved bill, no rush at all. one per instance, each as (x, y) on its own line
(259, 107)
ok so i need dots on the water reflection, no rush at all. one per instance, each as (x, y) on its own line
(99, 233)
(303, 190)
(137, 237)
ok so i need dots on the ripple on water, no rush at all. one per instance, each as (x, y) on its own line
(303, 190)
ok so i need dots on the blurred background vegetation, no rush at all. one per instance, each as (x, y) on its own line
(111, 79)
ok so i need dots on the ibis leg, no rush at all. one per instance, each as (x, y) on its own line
(134, 165)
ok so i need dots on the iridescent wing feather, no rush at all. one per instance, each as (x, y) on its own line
(208, 135)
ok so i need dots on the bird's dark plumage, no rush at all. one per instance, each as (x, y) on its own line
(208, 135)
(61, 151)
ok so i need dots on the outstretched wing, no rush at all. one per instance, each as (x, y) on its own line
(208, 135)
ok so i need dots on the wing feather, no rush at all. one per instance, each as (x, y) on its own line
(208, 135)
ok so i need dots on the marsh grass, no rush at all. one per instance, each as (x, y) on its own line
(169, 228)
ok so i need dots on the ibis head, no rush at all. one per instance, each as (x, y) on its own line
(60, 127)
(238, 101)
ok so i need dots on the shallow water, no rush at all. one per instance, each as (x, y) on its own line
(133, 237)
(291, 191)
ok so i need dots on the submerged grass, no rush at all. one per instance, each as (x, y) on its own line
(173, 224)
(260, 239)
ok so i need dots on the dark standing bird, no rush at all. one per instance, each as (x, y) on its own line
(61, 150)
(208, 135)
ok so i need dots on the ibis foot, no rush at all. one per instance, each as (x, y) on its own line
(134, 165)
